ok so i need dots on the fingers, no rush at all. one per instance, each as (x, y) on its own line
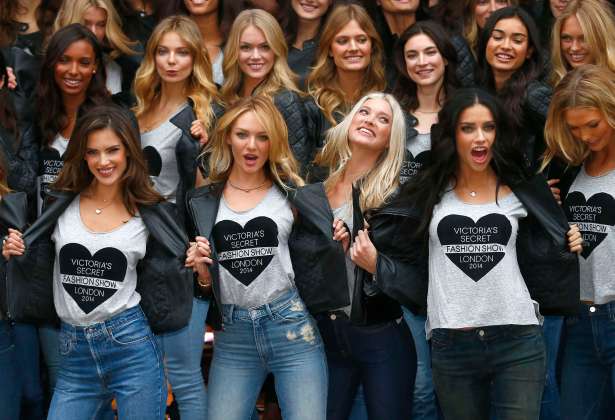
(555, 191)
(340, 233)
(12, 79)
(13, 244)
(575, 239)
(552, 182)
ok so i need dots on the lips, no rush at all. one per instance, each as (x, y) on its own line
(72, 83)
(479, 154)
(577, 58)
(308, 7)
(106, 172)
(354, 58)
(504, 57)
(250, 159)
(366, 131)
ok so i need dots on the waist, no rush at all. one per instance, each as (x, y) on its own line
(589, 309)
(287, 299)
(125, 317)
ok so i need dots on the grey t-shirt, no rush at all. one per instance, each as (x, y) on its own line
(216, 68)
(474, 276)
(114, 75)
(50, 163)
(417, 155)
(345, 213)
(95, 274)
(590, 204)
(252, 250)
(159, 147)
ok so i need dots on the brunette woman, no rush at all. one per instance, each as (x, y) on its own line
(140, 17)
(510, 65)
(475, 14)
(583, 34)
(244, 219)
(580, 130)
(112, 272)
(255, 63)
(349, 64)
(496, 243)
(100, 17)
(177, 105)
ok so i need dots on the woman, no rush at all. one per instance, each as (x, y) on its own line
(510, 65)
(583, 34)
(475, 14)
(579, 131)
(113, 273)
(140, 17)
(349, 64)
(255, 63)
(302, 31)
(244, 218)
(365, 341)
(100, 17)
(177, 105)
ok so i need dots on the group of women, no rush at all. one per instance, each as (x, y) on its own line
(398, 209)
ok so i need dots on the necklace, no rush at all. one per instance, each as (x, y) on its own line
(99, 210)
(247, 190)
(473, 193)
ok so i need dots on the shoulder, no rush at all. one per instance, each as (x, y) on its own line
(538, 96)
(184, 118)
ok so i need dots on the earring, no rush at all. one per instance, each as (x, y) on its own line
(94, 72)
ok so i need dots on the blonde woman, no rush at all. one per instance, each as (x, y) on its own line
(580, 130)
(177, 105)
(349, 64)
(365, 341)
(255, 63)
(583, 34)
(244, 219)
(100, 17)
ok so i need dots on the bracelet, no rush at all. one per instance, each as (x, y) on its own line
(203, 284)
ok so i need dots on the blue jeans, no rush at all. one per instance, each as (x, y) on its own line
(50, 346)
(182, 352)
(280, 337)
(117, 359)
(552, 330)
(380, 357)
(588, 367)
(33, 404)
(424, 405)
(499, 368)
(9, 393)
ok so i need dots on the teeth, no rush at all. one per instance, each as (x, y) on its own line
(106, 172)
(71, 82)
(366, 131)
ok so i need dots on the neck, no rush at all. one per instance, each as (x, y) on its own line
(604, 159)
(500, 78)
(209, 27)
(172, 93)
(361, 162)
(141, 6)
(105, 193)
(398, 22)
(476, 180)
(27, 9)
(248, 86)
(72, 104)
(430, 97)
(350, 82)
(243, 179)
(308, 29)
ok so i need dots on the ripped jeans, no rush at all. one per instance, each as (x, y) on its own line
(280, 337)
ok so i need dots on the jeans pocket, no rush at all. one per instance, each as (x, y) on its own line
(525, 331)
(294, 312)
(133, 332)
(66, 342)
(440, 340)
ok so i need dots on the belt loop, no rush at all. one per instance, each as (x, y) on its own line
(610, 308)
(228, 313)
(268, 310)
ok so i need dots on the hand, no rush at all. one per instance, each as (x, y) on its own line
(13, 244)
(555, 191)
(197, 129)
(363, 252)
(341, 234)
(12, 82)
(575, 239)
(198, 257)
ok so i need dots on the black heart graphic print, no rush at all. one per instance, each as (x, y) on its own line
(154, 161)
(412, 165)
(50, 164)
(475, 247)
(594, 217)
(246, 251)
(91, 279)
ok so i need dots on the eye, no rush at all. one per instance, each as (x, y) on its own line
(593, 124)
(91, 152)
(489, 127)
(363, 111)
(161, 51)
(497, 36)
(502, 2)
(85, 61)
(566, 38)
(241, 134)
(114, 149)
(467, 129)
(101, 24)
(431, 52)
(383, 120)
(63, 59)
(362, 39)
(263, 137)
(265, 47)
(519, 39)
(341, 40)
(244, 47)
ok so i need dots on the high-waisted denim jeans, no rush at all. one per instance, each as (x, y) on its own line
(498, 369)
(280, 337)
(9, 377)
(119, 359)
(588, 366)
(182, 352)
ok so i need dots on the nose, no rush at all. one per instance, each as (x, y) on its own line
(256, 53)
(172, 58)
(492, 6)
(421, 59)
(585, 135)
(480, 136)
(353, 44)
(576, 44)
(92, 28)
(104, 159)
(251, 145)
(73, 67)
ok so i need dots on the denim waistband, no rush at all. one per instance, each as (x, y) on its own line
(606, 309)
(124, 317)
(490, 332)
(237, 313)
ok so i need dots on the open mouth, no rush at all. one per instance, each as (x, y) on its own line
(354, 58)
(479, 154)
(577, 57)
(366, 131)
(307, 7)
(504, 58)
(256, 66)
(250, 159)
(424, 72)
(72, 83)
(105, 172)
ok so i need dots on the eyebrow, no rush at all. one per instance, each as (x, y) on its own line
(513, 34)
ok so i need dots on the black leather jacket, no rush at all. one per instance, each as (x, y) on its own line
(163, 282)
(291, 107)
(22, 160)
(535, 108)
(550, 271)
(27, 68)
(466, 63)
(319, 261)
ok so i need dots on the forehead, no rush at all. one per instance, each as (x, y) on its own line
(572, 25)
(352, 28)
(419, 41)
(248, 121)
(80, 48)
(95, 13)
(581, 116)
(172, 39)
(103, 138)
(475, 113)
(512, 25)
(252, 34)
(378, 105)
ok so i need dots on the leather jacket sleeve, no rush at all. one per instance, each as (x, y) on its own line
(22, 160)
(466, 63)
(291, 107)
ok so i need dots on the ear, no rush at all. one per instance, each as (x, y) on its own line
(530, 51)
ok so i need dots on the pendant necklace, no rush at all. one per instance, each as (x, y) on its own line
(99, 210)
(247, 190)
(473, 193)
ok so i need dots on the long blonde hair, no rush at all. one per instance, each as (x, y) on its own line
(377, 185)
(281, 166)
(72, 12)
(280, 77)
(323, 83)
(598, 23)
(471, 31)
(588, 86)
(199, 86)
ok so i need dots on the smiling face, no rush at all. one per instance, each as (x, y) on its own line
(484, 8)
(249, 145)
(474, 138)
(424, 63)
(310, 9)
(106, 156)
(95, 19)
(557, 7)
(508, 46)
(75, 68)
(201, 7)
(351, 49)
(572, 43)
(173, 59)
(589, 126)
(371, 126)
(399, 6)
(256, 58)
